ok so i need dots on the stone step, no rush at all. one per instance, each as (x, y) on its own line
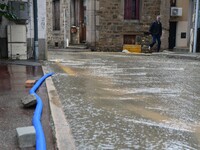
(181, 49)
(77, 46)
(71, 50)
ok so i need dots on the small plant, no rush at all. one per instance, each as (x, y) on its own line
(5, 11)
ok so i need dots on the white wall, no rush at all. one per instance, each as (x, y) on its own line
(41, 20)
(182, 26)
(30, 32)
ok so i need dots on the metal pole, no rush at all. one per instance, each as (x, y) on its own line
(35, 12)
(195, 27)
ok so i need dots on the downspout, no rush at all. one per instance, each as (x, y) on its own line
(30, 50)
(95, 16)
(195, 27)
(35, 12)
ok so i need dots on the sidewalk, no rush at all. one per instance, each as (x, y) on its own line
(179, 55)
(13, 75)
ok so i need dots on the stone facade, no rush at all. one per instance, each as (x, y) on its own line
(108, 24)
(57, 36)
(113, 27)
(165, 17)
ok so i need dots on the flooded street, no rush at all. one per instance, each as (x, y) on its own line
(120, 101)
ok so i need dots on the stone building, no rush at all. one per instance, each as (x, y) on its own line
(104, 25)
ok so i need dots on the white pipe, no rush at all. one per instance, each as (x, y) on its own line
(67, 42)
(195, 27)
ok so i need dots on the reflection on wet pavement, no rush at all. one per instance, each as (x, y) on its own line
(118, 101)
(12, 113)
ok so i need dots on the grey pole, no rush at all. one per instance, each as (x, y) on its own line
(35, 12)
(195, 26)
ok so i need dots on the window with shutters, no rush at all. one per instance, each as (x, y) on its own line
(131, 9)
(56, 14)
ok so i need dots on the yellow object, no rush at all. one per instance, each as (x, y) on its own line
(66, 69)
(132, 48)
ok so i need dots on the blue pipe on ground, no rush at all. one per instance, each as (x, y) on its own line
(40, 138)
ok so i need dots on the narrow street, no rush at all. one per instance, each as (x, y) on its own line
(121, 101)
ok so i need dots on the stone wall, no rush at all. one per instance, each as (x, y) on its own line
(112, 26)
(165, 17)
(57, 37)
(109, 24)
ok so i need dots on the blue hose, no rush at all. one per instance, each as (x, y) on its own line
(40, 138)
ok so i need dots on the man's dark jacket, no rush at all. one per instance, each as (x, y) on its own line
(156, 28)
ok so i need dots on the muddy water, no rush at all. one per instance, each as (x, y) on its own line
(117, 101)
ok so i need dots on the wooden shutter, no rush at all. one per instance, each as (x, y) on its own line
(131, 9)
(137, 9)
(128, 9)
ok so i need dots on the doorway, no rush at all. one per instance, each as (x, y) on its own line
(172, 35)
(79, 19)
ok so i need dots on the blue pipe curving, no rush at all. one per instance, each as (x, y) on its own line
(40, 138)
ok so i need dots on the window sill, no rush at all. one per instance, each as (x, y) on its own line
(56, 31)
(132, 21)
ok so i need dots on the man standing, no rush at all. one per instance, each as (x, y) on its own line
(156, 32)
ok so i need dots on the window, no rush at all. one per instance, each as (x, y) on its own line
(56, 15)
(131, 9)
(22, 6)
(129, 39)
(173, 3)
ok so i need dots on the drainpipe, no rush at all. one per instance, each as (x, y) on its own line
(95, 21)
(35, 12)
(195, 27)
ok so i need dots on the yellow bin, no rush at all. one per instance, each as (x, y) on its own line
(132, 48)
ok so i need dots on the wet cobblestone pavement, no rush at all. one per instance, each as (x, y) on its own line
(12, 113)
(119, 101)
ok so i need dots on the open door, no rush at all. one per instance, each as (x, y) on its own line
(79, 19)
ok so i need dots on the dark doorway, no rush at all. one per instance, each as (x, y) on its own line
(172, 35)
(198, 40)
